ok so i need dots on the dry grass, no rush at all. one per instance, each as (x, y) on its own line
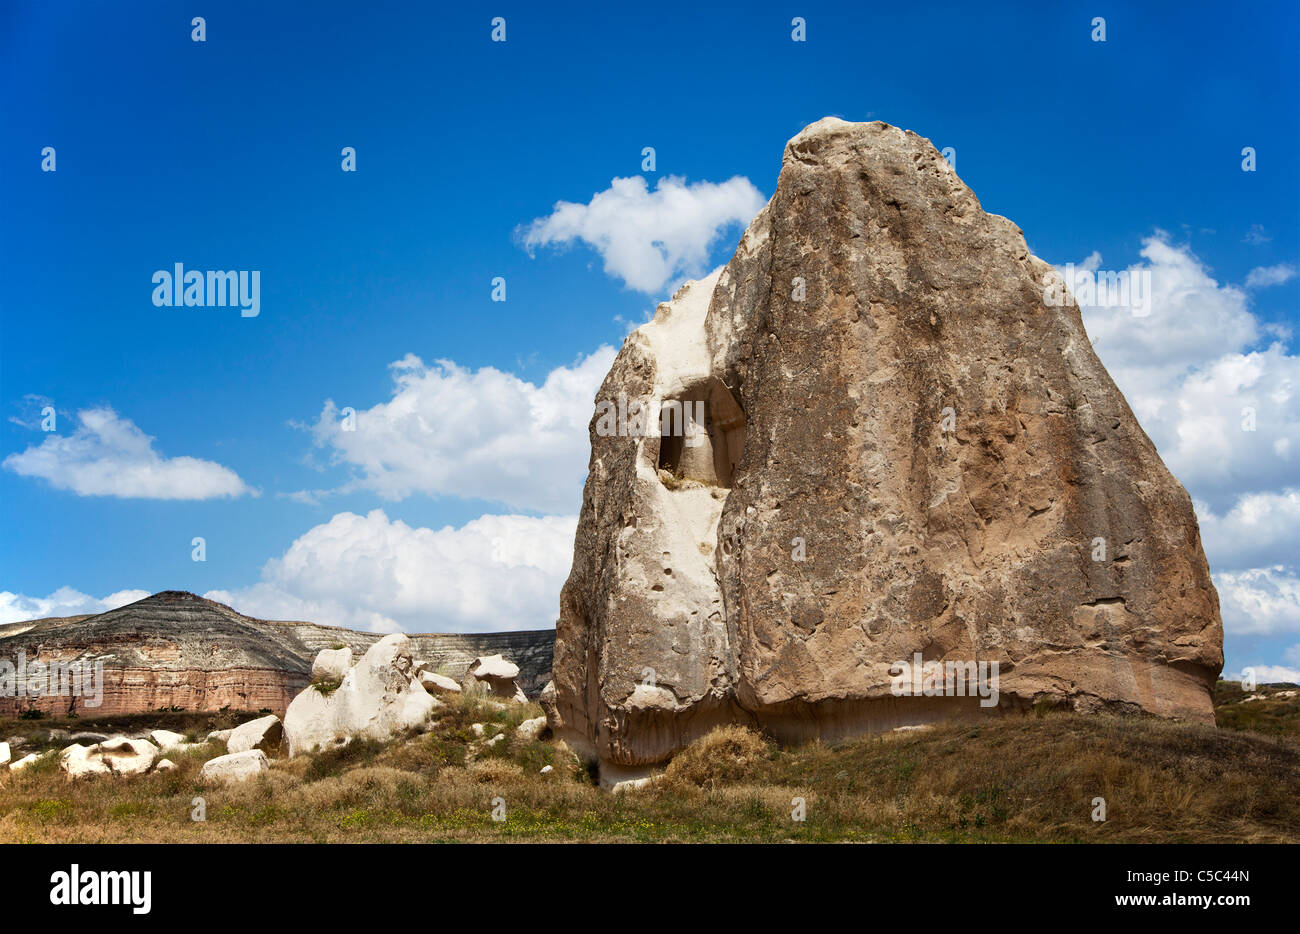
(1273, 709)
(1018, 779)
(726, 754)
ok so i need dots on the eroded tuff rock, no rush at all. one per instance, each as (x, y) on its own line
(497, 675)
(869, 296)
(379, 697)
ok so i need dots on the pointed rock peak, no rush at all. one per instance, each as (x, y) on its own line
(828, 126)
(900, 468)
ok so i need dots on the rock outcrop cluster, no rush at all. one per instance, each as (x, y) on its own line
(379, 696)
(383, 696)
(178, 650)
(869, 441)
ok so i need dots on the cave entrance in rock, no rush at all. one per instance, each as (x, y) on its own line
(702, 434)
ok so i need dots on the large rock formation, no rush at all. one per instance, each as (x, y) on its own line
(176, 649)
(906, 451)
(379, 697)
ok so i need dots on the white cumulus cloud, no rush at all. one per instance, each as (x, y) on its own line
(16, 607)
(480, 434)
(649, 238)
(1217, 391)
(374, 573)
(1260, 529)
(107, 455)
(1221, 409)
(1260, 601)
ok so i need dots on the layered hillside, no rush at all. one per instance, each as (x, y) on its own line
(176, 649)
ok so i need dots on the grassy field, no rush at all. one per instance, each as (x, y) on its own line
(1022, 779)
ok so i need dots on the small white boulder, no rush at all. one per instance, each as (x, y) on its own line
(264, 733)
(125, 756)
(435, 683)
(531, 729)
(497, 674)
(331, 664)
(489, 667)
(23, 762)
(235, 766)
(166, 739)
(78, 762)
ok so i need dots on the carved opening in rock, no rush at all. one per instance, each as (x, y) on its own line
(701, 435)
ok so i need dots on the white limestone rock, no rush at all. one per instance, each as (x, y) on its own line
(77, 762)
(24, 762)
(118, 755)
(264, 733)
(378, 698)
(166, 739)
(497, 674)
(331, 664)
(435, 683)
(235, 766)
(490, 667)
(531, 729)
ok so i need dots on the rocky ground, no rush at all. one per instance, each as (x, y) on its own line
(1030, 778)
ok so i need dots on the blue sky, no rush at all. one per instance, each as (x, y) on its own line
(225, 154)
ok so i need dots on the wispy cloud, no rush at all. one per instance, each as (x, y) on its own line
(1264, 276)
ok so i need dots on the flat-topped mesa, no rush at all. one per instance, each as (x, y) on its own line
(906, 452)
